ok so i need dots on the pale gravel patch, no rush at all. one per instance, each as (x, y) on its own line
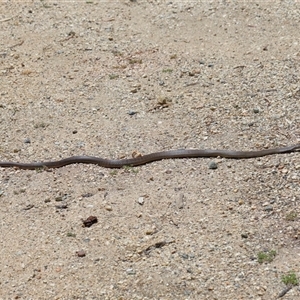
(230, 75)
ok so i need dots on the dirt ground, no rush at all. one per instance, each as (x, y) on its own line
(110, 78)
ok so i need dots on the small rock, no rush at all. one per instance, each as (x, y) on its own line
(28, 206)
(184, 256)
(108, 207)
(132, 112)
(59, 198)
(87, 195)
(213, 165)
(80, 253)
(256, 110)
(61, 206)
(90, 221)
(180, 201)
(151, 231)
(27, 141)
(141, 200)
(130, 271)
(268, 208)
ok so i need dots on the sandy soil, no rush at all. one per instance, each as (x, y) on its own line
(110, 78)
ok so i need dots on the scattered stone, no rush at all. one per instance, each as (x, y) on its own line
(28, 206)
(130, 271)
(136, 153)
(213, 165)
(90, 221)
(184, 256)
(27, 141)
(80, 253)
(244, 235)
(180, 201)
(108, 207)
(151, 231)
(141, 200)
(70, 234)
(132, 112)
(87, 195)
(268, 208)
(61, 206)
(59, 198)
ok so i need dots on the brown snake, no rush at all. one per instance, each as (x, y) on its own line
(107, 163)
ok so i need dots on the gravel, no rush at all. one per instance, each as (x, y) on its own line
(111, 79)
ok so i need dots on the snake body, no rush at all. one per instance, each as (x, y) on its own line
(145, 159)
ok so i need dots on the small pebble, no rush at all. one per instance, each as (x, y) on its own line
(132, 113)
(213, 165)
(141, 200)
(180, 201)
(61, 206)
(90, 221)
(184, 256)
(80, 253)
(130, 271)
(268, 208)
(108, 208)
(27, 141)
(87, 195)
